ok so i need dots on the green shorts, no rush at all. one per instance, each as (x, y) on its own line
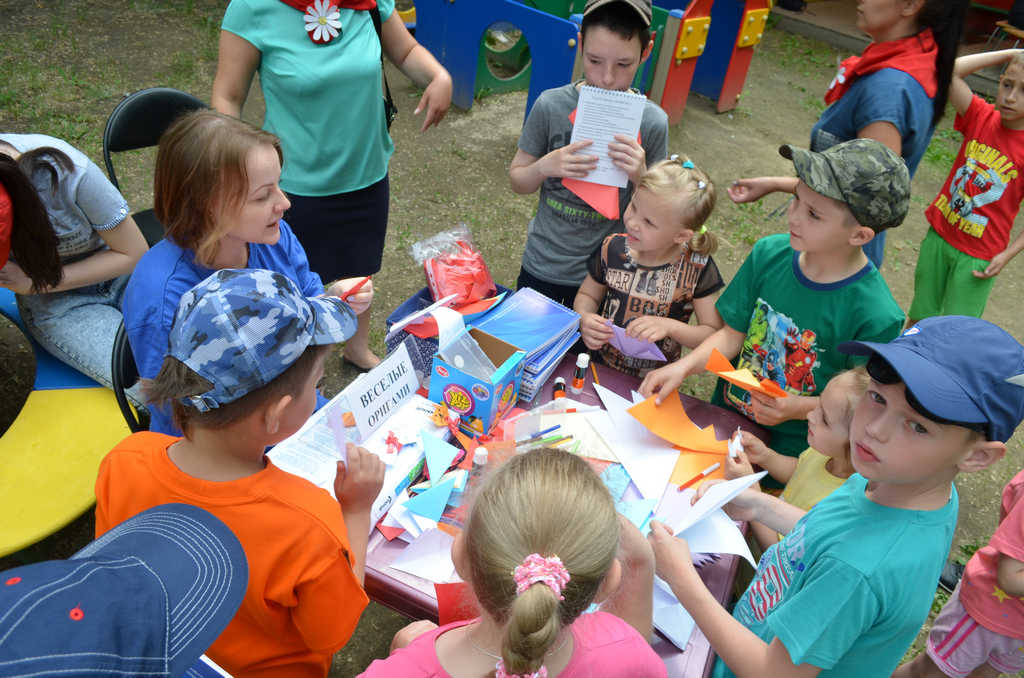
(944, 283)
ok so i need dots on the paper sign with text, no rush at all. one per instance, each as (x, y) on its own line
(381, 391)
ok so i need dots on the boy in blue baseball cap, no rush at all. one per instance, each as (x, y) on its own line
(846, 591)
(245, 353)
(146, 599)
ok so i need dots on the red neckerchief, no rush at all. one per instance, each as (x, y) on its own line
(914, 55)
(320, 16)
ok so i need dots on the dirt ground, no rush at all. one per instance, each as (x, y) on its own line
(62, 74)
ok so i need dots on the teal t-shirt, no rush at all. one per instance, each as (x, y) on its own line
(793, 326)
(849, 587)
(323, 101)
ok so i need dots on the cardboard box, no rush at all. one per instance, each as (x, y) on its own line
(479, 402)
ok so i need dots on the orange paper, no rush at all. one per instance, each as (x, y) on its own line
(604, 199)
(348, 419)
(670, 421)
(691, 463)
(745, 379)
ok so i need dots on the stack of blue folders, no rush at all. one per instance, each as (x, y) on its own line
(543, 328)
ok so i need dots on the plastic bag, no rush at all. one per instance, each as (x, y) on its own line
(453, 266)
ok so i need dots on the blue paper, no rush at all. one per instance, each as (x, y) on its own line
(439, 455)
(430, 504)
(638, 512)
(616, 480)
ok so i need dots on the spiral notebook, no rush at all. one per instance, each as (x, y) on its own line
(600, 115)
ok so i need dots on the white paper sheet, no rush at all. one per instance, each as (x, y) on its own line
(670, 617)
(647, 458)
(717, 533)
(600, 115)
(429, 557)
(715, 498)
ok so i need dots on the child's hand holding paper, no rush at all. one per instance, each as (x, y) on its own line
(595, 330)
(629, 156)
(650, 327)
(568, 161)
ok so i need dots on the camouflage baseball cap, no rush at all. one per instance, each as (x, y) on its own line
(242, 328)
(642, 7)
(862, 173)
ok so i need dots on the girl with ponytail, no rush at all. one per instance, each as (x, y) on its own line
(541, 544)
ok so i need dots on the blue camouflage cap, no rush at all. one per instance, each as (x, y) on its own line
(242, 328)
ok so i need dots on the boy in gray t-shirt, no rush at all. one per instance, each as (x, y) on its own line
(614, 40)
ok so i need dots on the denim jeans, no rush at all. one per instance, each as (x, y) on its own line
(78, 326)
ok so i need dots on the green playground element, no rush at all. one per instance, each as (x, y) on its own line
(514, 58)
(644, 78)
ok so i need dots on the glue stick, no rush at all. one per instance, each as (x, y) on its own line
(558, 391)
(579, 377)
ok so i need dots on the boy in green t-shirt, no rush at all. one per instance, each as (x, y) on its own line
(796, 297)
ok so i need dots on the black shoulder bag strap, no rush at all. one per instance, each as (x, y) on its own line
(390, 111)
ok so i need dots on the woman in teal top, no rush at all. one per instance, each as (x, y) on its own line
(320, 72)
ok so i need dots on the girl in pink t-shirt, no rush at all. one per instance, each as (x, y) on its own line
(980, 631)
(541, 544)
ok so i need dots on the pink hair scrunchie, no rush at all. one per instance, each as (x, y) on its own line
(499, 672)
(548, 571)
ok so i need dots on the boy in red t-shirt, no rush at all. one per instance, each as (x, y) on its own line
(971, 218)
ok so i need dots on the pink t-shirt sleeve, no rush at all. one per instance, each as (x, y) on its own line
(416, 660)
(604, 641)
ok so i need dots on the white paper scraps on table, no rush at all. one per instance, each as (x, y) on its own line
(419, 315)
(600, 115)
(633, 347)
(717, 496)
(413, 524)
(717, 533)
(648, 459)
(429, 557)
(670, 617)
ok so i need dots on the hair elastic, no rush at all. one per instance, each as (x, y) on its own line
(701, 185)
(703, 229)
(548, 571)
(674, 157)
(689, 165)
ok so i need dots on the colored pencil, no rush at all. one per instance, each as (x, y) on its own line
(538, 434)
(359, 286)
(700, 476)
(593, 367)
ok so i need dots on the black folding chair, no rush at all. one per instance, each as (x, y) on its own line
(138, 121)
(124, 374)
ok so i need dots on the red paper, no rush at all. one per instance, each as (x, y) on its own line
(455, 602)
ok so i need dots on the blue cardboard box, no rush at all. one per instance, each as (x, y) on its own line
(479, 402)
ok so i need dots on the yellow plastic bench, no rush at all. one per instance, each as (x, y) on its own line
(50, 454)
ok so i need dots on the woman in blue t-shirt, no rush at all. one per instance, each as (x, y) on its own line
(895, 91)
(320, 73)
(73, 244)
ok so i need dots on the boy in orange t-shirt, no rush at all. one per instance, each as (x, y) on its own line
(245, 354)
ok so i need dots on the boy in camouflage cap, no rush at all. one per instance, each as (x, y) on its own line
(798, 295)
(245, 354)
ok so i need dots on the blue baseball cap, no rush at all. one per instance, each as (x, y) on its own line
(959, 368)
(242, 328)
(147, 598)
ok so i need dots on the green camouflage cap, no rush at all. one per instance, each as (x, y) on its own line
(862, 173)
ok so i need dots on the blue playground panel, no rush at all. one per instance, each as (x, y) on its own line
(709, 74)
(50, 373)
(452, 32)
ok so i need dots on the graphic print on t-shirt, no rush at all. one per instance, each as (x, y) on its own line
(779, 565)
(980, 180)
(776, 348)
